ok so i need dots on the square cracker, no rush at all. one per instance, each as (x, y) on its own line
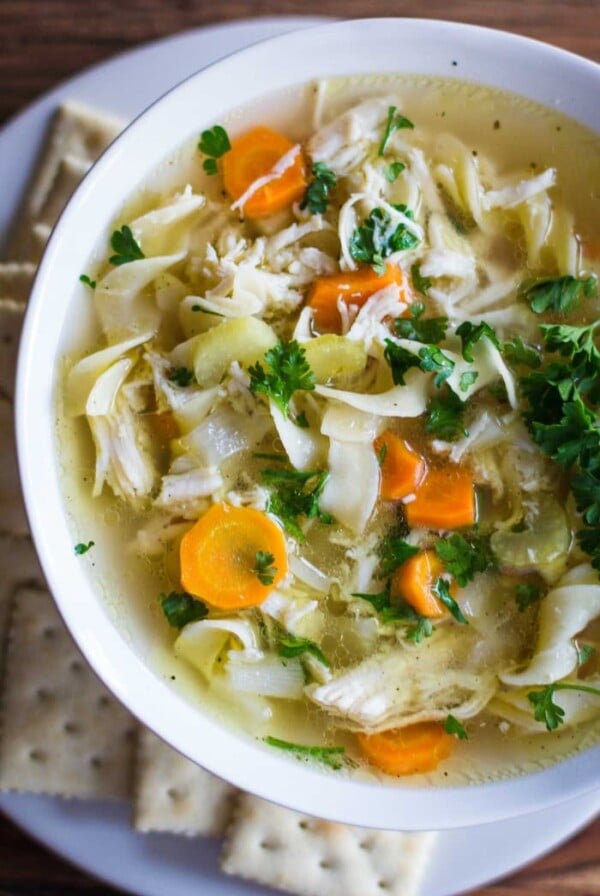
(63, 733)
(16, 280)
(18, 567)
(11, 322)
(173, 795)
(281, 848)
(12, 512)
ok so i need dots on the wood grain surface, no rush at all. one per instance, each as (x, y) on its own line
(45, 41)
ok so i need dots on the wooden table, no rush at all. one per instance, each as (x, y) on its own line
(45, 41)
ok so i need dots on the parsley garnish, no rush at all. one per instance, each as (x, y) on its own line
(88, 281)
(382, 453)
(546, 710)
(263, 567)
(124, 246)
(393, 552)
(288, 370)
(213, 143)
(585, 653)
(517, 352)
(453, 726)
(526, 595)
(376, 238)
(441, 590)
(420, 283)
(433, 360)
(400, 611)
(467, 379)
(394, 122)
(83, 548)
(181, 608)
(391, 171)
(423, 629)
(559, 294)
(330, 756)
(181, 376)
(444, 417)
(470, 334)
(295, 494)
(291, 646)
(431, 330)
(465, 557)
(400, 361)
(317, 193)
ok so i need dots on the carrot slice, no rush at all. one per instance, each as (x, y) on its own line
(445, 499)
(414, 580)
(254, 155)
(219, 557)
(354, 288)
(402, 469)
(407, 751)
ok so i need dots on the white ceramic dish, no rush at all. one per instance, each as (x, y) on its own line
(535, 70)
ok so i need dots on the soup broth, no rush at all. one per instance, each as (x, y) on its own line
(318, 465)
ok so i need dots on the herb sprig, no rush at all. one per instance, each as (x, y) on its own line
(546, 710)
(559, 294)
(264, 568)
(333, 757)
(125, 247)
(295, 495)
(395, 121)
(464, 557)
(82, 547)
(317, 193)
(214, 143)
(377, 238)
(180, 608)
(287, 371)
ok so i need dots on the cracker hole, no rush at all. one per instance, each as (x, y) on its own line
(71, 728)
(43, 695)
(37, 755)
(174, 794)
(103, 701)
(75, 666)
(49, 633)
(96, 762)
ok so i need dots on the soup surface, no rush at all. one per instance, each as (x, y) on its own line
(335, 426)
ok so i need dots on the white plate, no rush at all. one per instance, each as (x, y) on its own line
(97, 836)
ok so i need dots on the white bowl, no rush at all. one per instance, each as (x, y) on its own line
(119, 651)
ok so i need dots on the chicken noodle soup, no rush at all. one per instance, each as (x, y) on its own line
(346, 398)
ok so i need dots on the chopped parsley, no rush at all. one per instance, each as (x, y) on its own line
(263, 567)
(181, 608)
(331, 756)
(400, 361)
(431, 330)
(318, 190)
(418, 627)
(88, 281)
(291, 646)
(559, 294)
(433, 360)
(467, 379)
(125, 247)
(393, 170)
(444, 417)
(585, 653)
(295, 494)
(376, 238)
(420, 283)
(441, 590)
(470, 334)
(214, 143)
(382, 454)
(464, 557)
(287, 372)
(393, 552)
(181, 376)
(453, 726)
(526, 595)
(83, 548)
(395, 121)
(518, 353)
(546, 710)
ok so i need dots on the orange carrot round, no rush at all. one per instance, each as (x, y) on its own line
(414, 580)
(220, 557)
(445, 499)
(354, 288)
(253, 155)
(407, 751)
(402, 469)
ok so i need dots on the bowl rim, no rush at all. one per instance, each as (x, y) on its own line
(201, 737)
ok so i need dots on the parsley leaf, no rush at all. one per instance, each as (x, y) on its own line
(391, 171)
(124, 246)
(291, 646)
(181, 376)
(317, 192)
(453, 726)
(295, 494)
(419, 627)
(441, 590)
(263, 567)
(382, 454)
(585, 653)
(376, 238)
(181, 608)
(393, 552)
(518, 352)
(435, 361)
(465, 557)
(560, 294)
(526, 595)
(395, 121)
(423, 629)
(444, 417)
(420, 283)
(288, 370)
(546, 710)
(82, 548)
(431, 330)
(330, 756)
(400, 361)
(88, 281)
(379, 601)
(470, 334)
(213, 143)
(467, 379)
